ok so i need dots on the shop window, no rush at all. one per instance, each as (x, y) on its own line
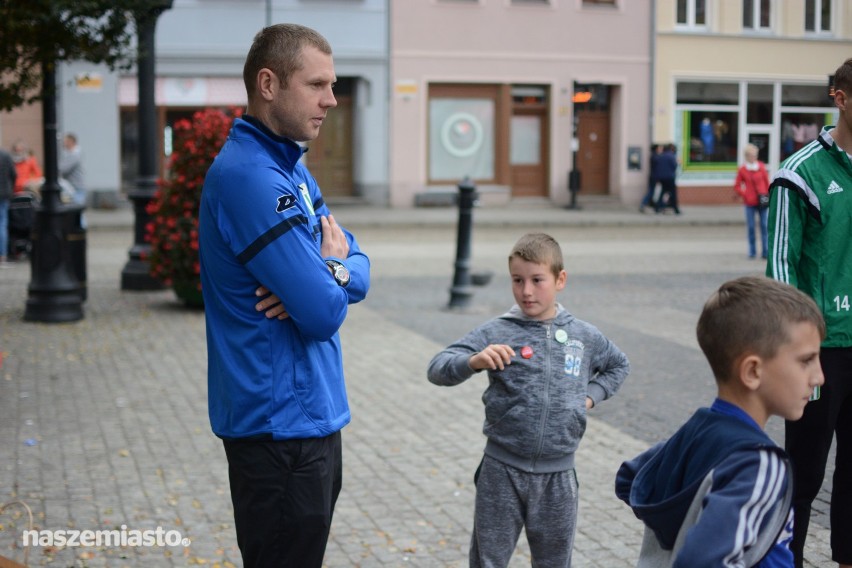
(757, 15)
(759, 105)
(708, 93)
(804, 96)
(461, 139)
(818, 16)
(710, 139)
(691, 13)
(799, 128)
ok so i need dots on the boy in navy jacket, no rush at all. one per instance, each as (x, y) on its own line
(718, 492)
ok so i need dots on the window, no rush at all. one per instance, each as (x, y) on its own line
(712, 137)
(525, 140)
(710, 125)
(818, 15)
(759, 104)
(461, 138)
(799, 128)
(757, 15)
(804, 96)
(691, 13)
(708, 93)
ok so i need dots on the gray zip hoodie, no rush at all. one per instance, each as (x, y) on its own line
(535, 408)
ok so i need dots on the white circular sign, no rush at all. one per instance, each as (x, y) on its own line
(461, 134)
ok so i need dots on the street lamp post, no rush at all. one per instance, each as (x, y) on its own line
(55, 292)
(135, 275)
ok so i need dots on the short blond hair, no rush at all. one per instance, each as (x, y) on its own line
(279, 49)
(539, 248)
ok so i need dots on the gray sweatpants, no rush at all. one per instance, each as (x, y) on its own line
(507, 500)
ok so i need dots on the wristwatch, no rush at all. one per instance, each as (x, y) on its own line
(340, 272)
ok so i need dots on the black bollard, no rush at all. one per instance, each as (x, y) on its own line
(462, 291)
(573, 188)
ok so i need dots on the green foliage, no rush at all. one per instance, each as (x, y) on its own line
(173, 229)
(35, 33)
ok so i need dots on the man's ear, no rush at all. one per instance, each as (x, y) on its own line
(267, 84)
(749, 371)
(840, 99)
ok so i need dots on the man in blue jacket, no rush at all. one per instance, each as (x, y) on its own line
(276, 391)
(665, 170)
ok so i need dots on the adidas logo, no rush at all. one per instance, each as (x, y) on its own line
(833, 188)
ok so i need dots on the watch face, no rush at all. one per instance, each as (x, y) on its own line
(341, 274)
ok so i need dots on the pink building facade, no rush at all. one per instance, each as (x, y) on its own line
(517, 94)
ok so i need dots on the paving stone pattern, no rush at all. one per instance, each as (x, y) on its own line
(104, 422)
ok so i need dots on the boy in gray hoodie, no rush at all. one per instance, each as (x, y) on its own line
(545, 369)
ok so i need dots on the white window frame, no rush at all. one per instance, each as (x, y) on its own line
(818, 17)
(756, 17)
(690, 16)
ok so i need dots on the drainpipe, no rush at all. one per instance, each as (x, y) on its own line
(652, 73)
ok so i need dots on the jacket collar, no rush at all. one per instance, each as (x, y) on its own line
(827, 142)
(283, 150)
(561, 318)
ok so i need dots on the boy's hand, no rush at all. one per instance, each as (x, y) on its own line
(271, 304)
(589, 403)
(492, 357)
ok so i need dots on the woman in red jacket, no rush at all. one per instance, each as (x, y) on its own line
(752, 184)
(26, 166)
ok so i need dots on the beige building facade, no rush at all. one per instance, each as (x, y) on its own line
(515, 94)
(732, 72)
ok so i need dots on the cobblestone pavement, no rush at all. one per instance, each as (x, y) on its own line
(104, 422)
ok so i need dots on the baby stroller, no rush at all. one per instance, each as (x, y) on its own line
(21, 221)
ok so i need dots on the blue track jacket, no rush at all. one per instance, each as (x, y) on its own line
(716, 494)
(260, 224)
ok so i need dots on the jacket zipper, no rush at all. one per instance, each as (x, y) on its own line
(546, 399)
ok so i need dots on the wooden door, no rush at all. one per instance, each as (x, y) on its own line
(330, 155)
(528, 153)
(593, 153)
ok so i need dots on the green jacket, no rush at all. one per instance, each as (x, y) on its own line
(810, 231)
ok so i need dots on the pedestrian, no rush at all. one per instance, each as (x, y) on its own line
(545, 370)
(719, 491)
(648, 200)
(810, 248)
(26, 166)
(752, 185)
(666, 173)
(71, 167)
(275, 374)
(8, 175)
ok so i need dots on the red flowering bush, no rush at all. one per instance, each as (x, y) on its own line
(173, 229)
